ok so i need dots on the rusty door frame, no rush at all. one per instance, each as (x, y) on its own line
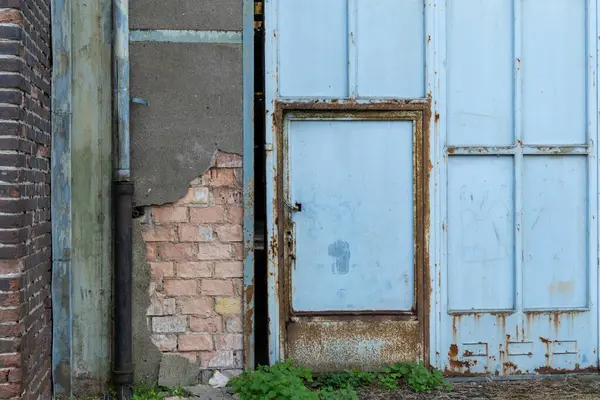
(281, 243)
(275, 106)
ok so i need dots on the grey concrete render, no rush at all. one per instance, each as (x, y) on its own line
(220, 15)
(146, 356)
(194, 94)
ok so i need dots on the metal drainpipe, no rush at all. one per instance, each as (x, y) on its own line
(123, 194)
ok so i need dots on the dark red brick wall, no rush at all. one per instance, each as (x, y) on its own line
(25, 259)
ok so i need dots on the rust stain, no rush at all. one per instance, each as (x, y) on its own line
(509, 368)
(549, 370)
(437, 117)
(467, 353)
(545, 341)
(561, 287)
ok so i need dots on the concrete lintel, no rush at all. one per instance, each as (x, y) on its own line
(185, 36)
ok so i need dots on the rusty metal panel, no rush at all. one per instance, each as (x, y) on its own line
(327, 344)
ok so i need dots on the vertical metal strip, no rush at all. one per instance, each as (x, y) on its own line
(352, 50)
(248, 165)
(518, 157)
(594, 46)
(432, 240)
(61, 199)
(440, 113)
(271, 151)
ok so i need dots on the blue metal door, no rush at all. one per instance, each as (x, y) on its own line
(346, 152)
(517, 101)
(432, 170)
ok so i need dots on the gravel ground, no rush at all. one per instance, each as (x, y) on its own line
(569, 387)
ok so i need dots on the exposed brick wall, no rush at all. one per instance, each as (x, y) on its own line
(194, 247)
(25, 259)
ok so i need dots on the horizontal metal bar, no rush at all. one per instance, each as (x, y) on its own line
(186, 36)
(476, 311)
(511, 150)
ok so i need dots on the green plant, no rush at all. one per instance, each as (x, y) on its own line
(329, 393)
(146, 391)
(416, 375)
(283, 380)
(350, 378)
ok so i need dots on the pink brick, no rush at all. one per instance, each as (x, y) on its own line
(221, 359)
(229, 342)
(180, 287)
(195, 342)
(195, 233)
(159, 233)
(230, 233)
(151, 251)
(164, 214)
(209, 215)
(177, 251)
(198, 269)
(238, 251)
(235, 215)
(169, 324)
(219, 177)
(213, 324)
(233, 325)
(161, 269)
(214, 287)
(233, 269)
(213, 251)
(165, 342)
(197, 306)
(228, 160)
(227, 195)
(195, 196)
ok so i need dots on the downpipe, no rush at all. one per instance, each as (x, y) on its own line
(122, 373)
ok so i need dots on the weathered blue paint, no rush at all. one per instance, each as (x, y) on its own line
(516, 221)
(80, 187)
(248, 127)
(513, 245)
(186, 36)
(344, 258)
(61, 197)
(121, 82)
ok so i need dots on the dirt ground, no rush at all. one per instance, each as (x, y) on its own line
(567, 387)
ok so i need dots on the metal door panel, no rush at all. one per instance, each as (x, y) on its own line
(313, 49)
(554, 65)
(354, 232)
(480, 233)
(480, 72)
(540, 162)
(555, 232)
(348, 285)
(390, 36)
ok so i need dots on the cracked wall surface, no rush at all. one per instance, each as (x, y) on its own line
(188, 273)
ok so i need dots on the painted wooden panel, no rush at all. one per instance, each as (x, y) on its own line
(390, 48)
(555, 231)
(479, 72)
(480, 233)
(313, 48)
(554, 71)
(354, 233)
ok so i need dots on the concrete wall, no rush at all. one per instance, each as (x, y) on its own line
(25, 315)
(187, 170)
